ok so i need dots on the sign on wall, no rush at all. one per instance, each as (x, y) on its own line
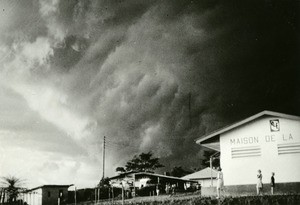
(274, 125)
(250, 146)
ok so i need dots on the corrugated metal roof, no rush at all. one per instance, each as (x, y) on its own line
(202, 174)
(122, 175)
(162, 176)
(48, 186)
(149, 174)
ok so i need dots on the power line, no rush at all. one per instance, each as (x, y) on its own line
(112, 146)
(121, 144)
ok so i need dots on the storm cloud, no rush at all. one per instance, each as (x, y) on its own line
(149, 75)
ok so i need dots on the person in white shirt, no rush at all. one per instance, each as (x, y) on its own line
(220, 182)
(259, 185)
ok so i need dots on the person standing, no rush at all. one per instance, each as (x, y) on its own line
(157, 189)
(259, 184)
(272, 183)
(220, 182)
(167, 188)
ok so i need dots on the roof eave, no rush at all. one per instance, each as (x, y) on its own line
(253, 117)
(43, 186)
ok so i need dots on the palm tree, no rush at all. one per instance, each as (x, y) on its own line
(12, 186)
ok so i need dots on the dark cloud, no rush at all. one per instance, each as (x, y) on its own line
(261, 68)
(20, 21)
(92, 18)
(155, 75)
(187, 68)
(68, 53)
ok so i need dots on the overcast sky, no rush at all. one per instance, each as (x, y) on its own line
(148, 75)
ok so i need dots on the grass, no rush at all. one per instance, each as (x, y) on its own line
(195, 199)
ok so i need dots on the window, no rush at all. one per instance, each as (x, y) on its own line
(49, 194)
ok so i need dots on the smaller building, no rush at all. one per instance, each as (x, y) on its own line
(206, 177)
(145, 184)
(46, 195)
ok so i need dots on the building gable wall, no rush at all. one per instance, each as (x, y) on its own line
(33, 197)
(271, 144)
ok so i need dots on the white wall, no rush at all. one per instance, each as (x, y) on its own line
(257, 134)
(34, 197)
(207, 182)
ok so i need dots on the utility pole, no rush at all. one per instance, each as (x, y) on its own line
(75, 199)
(95, 196)
(210, 165)
(122, 193)
(103, 155)
(211, 158)
(113, 196)
(190, 115)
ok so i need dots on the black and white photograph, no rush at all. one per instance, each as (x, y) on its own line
(147, 102)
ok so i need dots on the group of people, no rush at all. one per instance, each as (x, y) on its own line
(259, 185)
(170, 189)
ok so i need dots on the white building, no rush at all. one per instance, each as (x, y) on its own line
(268, 141)
(206, 177)
(46, 195)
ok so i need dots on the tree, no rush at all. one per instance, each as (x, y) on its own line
(120, 169)
(143, 162)
(12, 186)
(104, 182)
(179, 172)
